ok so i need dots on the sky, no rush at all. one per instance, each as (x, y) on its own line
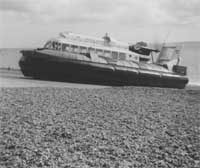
(30, 23)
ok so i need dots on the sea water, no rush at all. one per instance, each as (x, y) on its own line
(190, 57)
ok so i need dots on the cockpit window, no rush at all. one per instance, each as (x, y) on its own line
(48, 45)
(56, 45)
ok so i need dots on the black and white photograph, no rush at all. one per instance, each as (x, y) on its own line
(99, 84)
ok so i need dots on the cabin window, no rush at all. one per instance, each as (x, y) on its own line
(99, 52)
(74, 48)
(83, 49)
(59, 46)
(91, 49)
(122, 56)
(69, 48)
(107, 53)
(114, 55)
(55, 45)
(65, 47)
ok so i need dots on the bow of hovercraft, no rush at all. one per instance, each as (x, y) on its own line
(26, 61)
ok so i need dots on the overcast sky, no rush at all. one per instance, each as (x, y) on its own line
(29, 23)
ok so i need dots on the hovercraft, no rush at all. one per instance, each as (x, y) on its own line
(77, 58)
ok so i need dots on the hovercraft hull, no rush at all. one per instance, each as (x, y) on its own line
(63, 67)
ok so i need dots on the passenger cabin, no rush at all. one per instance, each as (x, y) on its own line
(88, 46)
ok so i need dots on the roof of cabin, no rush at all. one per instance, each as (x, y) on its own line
(90, 38)
(92, 45)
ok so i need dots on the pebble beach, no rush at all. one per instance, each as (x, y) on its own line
(107, 127)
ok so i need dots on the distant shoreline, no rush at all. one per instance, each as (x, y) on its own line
(9, 69)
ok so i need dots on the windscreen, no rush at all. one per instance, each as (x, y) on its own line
(48, 45)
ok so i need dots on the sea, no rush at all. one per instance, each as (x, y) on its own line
(190, 57)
